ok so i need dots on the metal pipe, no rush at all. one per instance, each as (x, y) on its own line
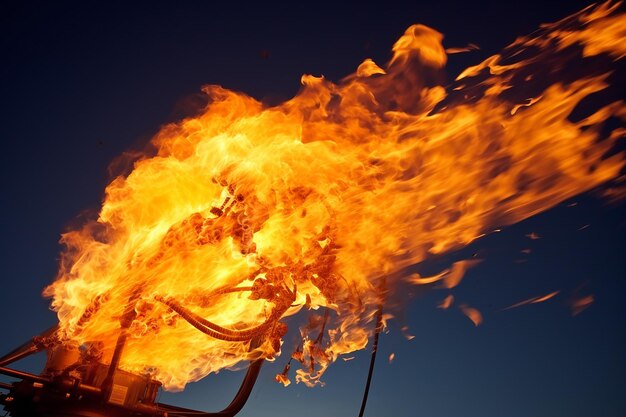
(67, 384)
(245, 389)
(20, 352)
(125, 321)
(151, 392)
(240, 399)
(235, 405)
(83, 388)
(24, 375)
(115, 360)
(6, 386)
(27, 348)
(216, 331)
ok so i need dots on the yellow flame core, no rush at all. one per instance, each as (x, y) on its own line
(250, 213)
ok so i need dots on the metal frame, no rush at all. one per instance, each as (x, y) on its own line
(73, 388)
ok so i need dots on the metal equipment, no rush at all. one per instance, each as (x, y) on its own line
(73, 384)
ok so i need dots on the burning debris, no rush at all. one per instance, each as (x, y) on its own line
(405, 332)
(248, 214)
(580, 304)
(449, 278)
(446, 302)
(471, 313)
(533, 300)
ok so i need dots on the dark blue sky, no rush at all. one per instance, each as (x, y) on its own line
(82, 83)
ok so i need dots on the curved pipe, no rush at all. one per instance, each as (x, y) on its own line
(217, 331)
(235, 405)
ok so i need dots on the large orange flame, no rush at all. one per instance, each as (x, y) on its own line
(249, 213)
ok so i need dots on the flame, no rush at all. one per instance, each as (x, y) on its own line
(533, 300)
(247, 214)
(473, 314)
(580, 304)
(405, 332)
(450, 277)
(470, 47)
(533, 236)
(446, 302)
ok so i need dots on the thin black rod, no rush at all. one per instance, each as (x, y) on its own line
(379, 325)
(382, 288)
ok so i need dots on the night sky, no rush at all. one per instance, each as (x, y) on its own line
(83, 83)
